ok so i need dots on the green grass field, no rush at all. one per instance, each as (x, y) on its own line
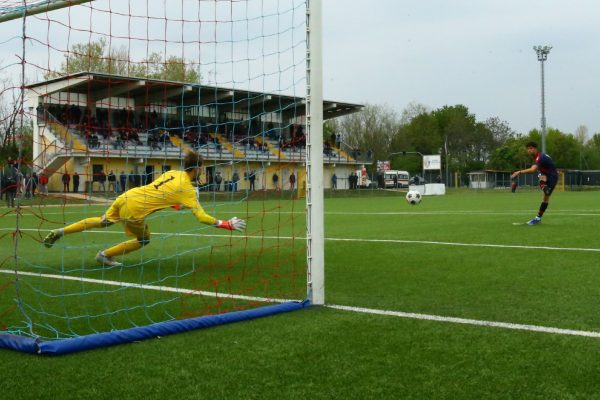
(458, 255)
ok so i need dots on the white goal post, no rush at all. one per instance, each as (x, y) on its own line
(35, 7)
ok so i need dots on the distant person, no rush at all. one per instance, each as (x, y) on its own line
(102, 181)
(75, 182)
(275, 181)
(35, 181)
(43, 182)
(292, 182)
(172, 189)
(218, 180)
(252, 179)
(9, 187)
(234, 182)
(547, 174)
(334, 181)
(123, 181)
(112, 181)
(66, 180)
(131, 179)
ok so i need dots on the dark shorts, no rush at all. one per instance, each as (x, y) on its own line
(551, 181)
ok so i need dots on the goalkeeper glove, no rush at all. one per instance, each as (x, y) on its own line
(234, 224)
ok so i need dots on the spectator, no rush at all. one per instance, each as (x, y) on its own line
(131, 179)
(338, 140)
(234, 181)
(66, 180)
(34, 183)
(218, 180)
(395, 181)
(10, 188)
(165, 138)
(292, 182)
(43, 181)
(252, 179)
(101, 181)
(75, 182)
(118, 144)
(94, 142)
(153, 141)
(123, 181)
(112, 182)
(27, 183)
(334, 181)
(276, 181)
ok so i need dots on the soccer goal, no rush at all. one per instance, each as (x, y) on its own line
(100, 100)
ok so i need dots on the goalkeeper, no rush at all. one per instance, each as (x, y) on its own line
(171, 189)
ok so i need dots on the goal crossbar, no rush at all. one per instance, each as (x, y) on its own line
(9, 13)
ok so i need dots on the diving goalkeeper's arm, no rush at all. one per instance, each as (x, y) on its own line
(189, 199)
(234, 224)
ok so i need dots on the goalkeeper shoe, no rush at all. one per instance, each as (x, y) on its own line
(106, 260)
(50, 238)
(535, 221)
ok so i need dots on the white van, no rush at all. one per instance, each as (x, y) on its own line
(401, 176)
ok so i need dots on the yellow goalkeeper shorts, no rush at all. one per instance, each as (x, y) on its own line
(118, 212)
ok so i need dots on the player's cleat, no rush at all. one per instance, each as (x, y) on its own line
(535, 221)
(51, 238)
(106, 260)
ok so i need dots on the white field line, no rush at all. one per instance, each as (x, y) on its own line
(143, 286)
(569, 213)
(399, 314)
(360, 240)
(465, 321)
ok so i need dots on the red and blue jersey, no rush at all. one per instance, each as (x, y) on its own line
(545, 164)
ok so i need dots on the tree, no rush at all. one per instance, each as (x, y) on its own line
(510, 156)
(500, 130)
(98, 57)
(412, 110)
(15, 126)
(370, 129)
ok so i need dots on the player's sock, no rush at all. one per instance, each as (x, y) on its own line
(84, 224)
(543, 207)
(123, 248)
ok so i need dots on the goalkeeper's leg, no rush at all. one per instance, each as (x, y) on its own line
(139, 230)
(80, 226)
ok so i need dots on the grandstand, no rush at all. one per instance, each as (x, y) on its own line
(92, 122)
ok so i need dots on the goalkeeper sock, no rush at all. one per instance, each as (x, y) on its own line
(84, 224)
(543, 208)
(123, 248)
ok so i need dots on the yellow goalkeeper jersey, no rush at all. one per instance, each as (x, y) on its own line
(173, 188)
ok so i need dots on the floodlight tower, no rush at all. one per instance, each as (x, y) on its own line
(542, 55)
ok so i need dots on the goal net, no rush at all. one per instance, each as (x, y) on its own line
(101, 97)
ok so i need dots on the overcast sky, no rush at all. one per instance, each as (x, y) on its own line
(391, 52)
(472, 52)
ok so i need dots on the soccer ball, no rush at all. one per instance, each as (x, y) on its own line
(413, 197)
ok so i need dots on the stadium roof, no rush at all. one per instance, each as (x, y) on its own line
(102, 86)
